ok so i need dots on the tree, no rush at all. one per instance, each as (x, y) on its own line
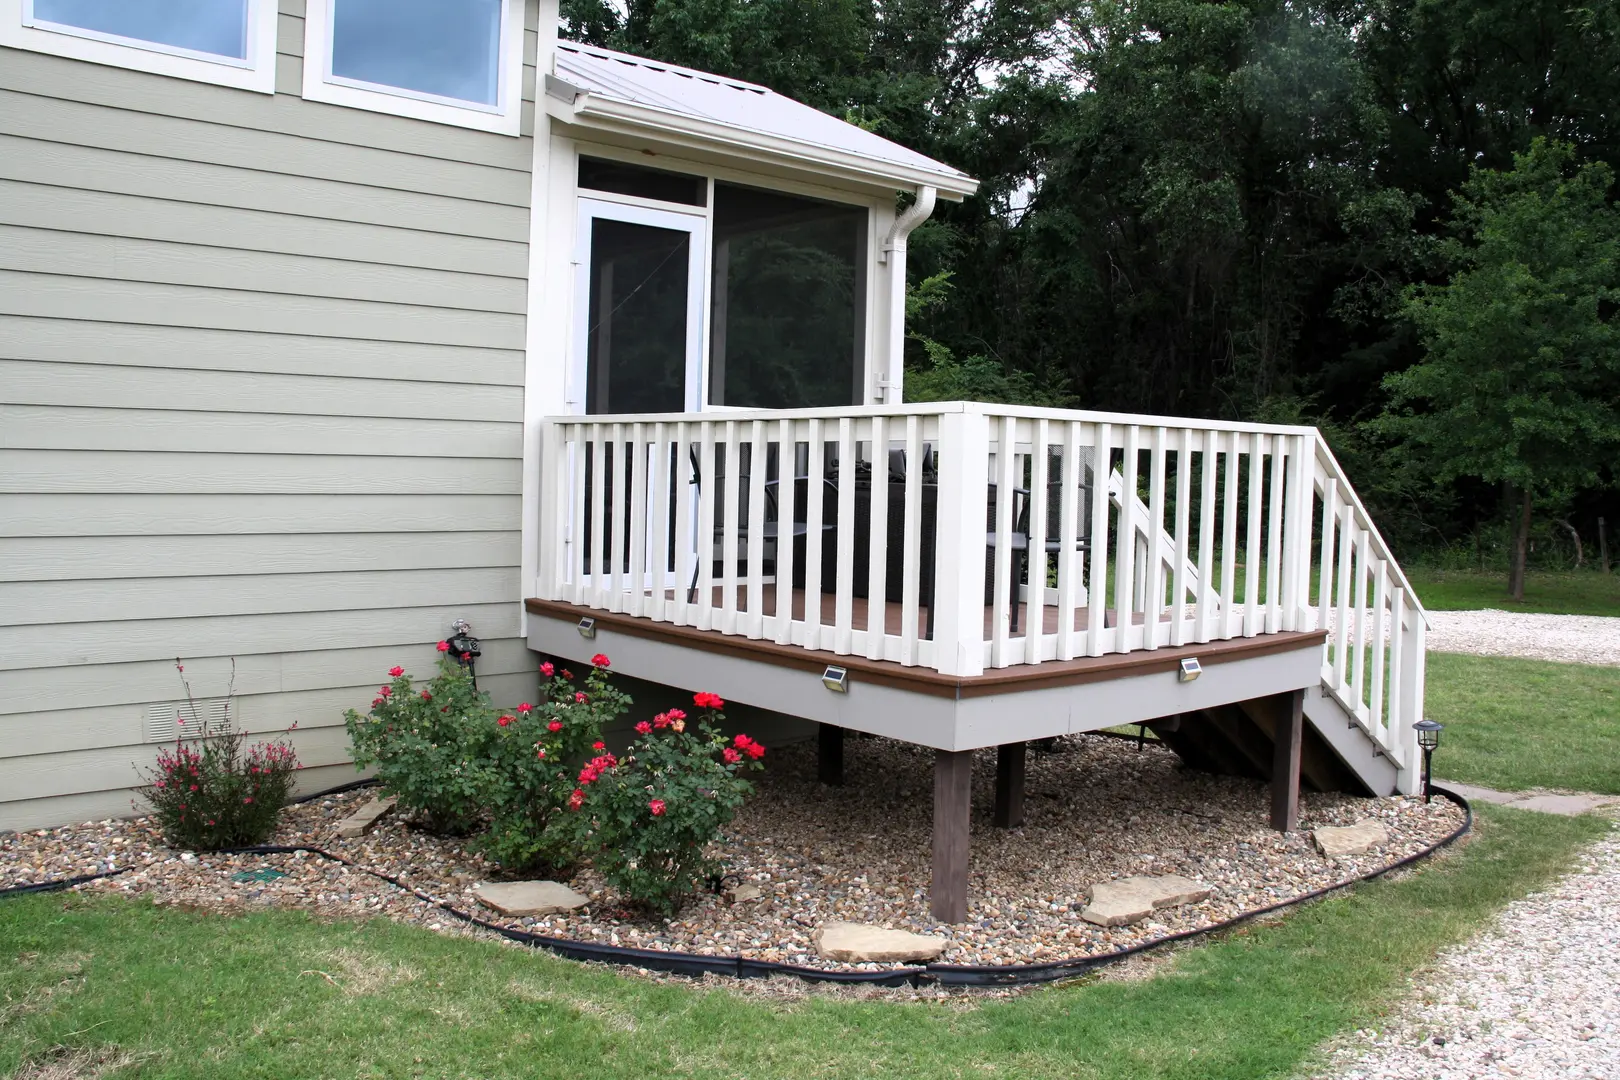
(1520, 383)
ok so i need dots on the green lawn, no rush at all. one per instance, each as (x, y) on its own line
(1584, 592)
(280, 995)
(1516, 724)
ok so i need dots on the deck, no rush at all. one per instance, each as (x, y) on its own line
(962, 576)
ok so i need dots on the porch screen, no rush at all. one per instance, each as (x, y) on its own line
(789, 301)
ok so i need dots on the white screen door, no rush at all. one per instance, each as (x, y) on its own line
(639, 310)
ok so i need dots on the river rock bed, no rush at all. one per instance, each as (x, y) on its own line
(1098, 808)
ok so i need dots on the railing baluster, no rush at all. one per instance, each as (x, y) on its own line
(1070, 560)
(815, 515)
(1102, 470)
(911, 542)
(844, 602)
(1005, 558)
(1035, 559)
(1397, 668)
(598, 594)
(658, 524)
(1379, 637)
(877, 551)
(732, 521)
(787, 496)
(1207, 525)
(1125, 544)
(758, 459)
(1342, 644)
(1274, 533)
(1153, 590)
(636, 520)
(1178, 573)
(681, 498)
(614, 493)
(1230, 612)
(1252, 550)
(706, 526)
(1358, 659)
(1330, 522)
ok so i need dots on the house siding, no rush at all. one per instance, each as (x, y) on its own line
(261, 407)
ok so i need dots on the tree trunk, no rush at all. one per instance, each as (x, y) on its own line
(1521, 545)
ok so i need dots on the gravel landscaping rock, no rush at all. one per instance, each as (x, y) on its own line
(1098, 809)
(1573, 639)
(1537, 996)
(1357, 839)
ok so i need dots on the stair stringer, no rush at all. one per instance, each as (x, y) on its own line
(1351, 743)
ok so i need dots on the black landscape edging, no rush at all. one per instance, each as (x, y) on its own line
(695, 964)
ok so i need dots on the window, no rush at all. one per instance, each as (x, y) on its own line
(228, 42)
(639, 181)
(789, 318)
(450, 61)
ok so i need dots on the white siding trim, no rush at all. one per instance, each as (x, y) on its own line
(257, 73)
(320, 85)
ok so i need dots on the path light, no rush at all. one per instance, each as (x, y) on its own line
(1428, 733)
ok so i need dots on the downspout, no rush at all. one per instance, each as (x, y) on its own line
(894, 253)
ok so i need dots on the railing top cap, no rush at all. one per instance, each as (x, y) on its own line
(936, 408)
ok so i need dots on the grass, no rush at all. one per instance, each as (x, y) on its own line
(1567, 592)
(1517, 724)
(275, 994)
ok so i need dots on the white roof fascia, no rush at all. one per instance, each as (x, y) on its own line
(588, 109)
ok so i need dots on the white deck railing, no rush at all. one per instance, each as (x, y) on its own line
(961, 537)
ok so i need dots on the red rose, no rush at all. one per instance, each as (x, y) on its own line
(426, 696)
(675, 714)
(555, 725)
(374, 702)
(754, 750)
(661, 720)
(541, 753)
(547, 669)
(396, 671)
(589, 774)
(741, 741)
(657, 807)
(581, 698)
(598, 745)
(443, 646)
(506, 720)
(706, 700)
(731, 756)
(525, 707)
(567, 674)
(644, 728)
(601, 660)
(576, 800)
(466, 656)
(385, 691)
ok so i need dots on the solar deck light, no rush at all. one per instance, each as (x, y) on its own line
(836, 679)
(587, 627)
(1190, 669)
(1428, 733)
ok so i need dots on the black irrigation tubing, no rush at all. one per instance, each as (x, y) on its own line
(694, 964)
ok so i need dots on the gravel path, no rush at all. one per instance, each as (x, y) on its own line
(1574, 639)
(1099, 809)
(1538, 995)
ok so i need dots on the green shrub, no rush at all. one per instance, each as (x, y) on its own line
(427, 744)
(653, 817)
(529, 764)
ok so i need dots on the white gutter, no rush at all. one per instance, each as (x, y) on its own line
(894, 253)
(574, 105)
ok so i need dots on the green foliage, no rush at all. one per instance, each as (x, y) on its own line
(977, 378)
(654, 817)
(427, 744)
(208, 794)
(1521, 380)
(526, 770)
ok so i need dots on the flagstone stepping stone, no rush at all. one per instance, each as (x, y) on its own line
(1129, 900)
(362, 820)
(1357, 839)
(855, 943)
(523, 898)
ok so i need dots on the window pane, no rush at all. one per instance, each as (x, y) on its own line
(637, 332)
(447, 48)
(208, 26)
(789, 301)
(599, 174)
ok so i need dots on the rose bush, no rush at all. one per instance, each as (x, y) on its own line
(530, 765)
(428, 743)
(652, 818)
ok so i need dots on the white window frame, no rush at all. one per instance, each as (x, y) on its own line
(505, 117)
(19, 29)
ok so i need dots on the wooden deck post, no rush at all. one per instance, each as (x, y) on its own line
(953, 799)
(1285, 761)
(830, 754)
(1010, 785)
